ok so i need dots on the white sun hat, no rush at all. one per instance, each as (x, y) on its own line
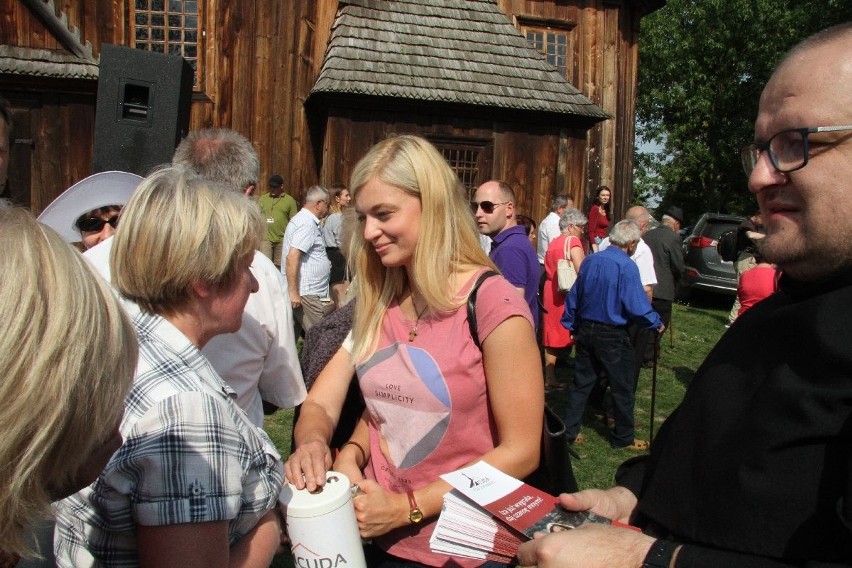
(98, 190)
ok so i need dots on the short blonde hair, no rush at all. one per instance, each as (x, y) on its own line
(179, 229)
(67, 360)
(448, 241)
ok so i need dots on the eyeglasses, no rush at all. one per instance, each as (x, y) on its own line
(486, 206)
(788, 149)
(95, 224)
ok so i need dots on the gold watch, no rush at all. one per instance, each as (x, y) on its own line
(415, 515)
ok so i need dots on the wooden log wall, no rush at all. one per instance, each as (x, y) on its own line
(602, 64)
(53, 118)
(97, 21)
(260, 58)
(522, 155)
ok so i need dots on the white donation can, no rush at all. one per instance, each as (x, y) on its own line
(322, 526)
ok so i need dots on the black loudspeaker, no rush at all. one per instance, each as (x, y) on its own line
(143, 108)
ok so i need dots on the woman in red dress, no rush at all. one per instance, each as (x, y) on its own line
(555, 337)
(599, 217)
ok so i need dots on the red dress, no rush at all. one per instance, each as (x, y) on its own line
(756, 284)
(598, 224)
(553, 334)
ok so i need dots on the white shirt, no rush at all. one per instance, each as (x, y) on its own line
(485, 243)
(548, 230)
(644, 259)
(259, 361)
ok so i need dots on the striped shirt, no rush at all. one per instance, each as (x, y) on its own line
(304, 233)
(190, 455)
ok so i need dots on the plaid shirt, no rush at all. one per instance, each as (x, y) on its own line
(190, 455)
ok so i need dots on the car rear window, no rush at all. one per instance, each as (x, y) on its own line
(714, 229)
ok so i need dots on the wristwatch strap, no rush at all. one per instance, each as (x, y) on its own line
(660, 555)
(415, 515)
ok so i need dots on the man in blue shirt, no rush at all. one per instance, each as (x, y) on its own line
(511, 250)
(607, 296)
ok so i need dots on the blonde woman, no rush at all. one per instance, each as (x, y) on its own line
(67, 356)
(435, 402)
(195, 483)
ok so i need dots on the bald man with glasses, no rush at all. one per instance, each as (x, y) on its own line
(755, 466)
(493, 206)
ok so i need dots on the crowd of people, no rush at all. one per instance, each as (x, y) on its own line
(151, 359)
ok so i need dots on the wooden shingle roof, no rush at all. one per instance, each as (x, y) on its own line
(75, 61)
(453, 51)
(45, 63)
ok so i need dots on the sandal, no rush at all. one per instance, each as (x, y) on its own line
(578, 441)
(637, 446)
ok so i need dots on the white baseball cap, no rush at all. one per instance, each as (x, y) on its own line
(99, 190)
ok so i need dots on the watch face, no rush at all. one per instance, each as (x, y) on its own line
(415, 516)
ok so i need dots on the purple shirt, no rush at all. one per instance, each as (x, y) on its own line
(515, 257)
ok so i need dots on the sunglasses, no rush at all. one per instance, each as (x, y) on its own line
(486, 206)
(95, 224)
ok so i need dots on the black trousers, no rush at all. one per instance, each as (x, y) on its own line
(602, 348)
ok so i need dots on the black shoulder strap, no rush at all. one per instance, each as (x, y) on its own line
(471, 305)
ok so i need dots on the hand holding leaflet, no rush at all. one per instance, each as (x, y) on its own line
(463, 529)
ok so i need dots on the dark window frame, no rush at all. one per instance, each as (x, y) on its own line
(550, 32)
(466, 159)
(170, 27)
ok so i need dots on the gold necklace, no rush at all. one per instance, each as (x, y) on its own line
(412, 333)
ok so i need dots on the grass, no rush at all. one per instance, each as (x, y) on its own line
(695, 329)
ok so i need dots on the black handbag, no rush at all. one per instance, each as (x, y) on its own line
(554, 474)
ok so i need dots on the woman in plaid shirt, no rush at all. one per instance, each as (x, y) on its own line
(194, 483)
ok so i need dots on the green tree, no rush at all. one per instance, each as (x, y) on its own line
(702, 66)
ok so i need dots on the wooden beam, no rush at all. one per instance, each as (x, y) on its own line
(58, 25)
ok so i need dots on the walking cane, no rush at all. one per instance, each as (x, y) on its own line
(670, 329)
(654, 384)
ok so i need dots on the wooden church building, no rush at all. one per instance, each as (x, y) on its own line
(539, 93)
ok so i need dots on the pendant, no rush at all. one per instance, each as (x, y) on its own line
(412, 333)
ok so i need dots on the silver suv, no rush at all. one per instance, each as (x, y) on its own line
(704, 268)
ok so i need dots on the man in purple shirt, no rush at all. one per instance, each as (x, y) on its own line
(512, 252)
(607, 296)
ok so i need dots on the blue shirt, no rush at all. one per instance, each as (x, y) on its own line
(513, 254)
(608, 290)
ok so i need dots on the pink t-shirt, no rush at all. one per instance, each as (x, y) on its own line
(428, 400)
